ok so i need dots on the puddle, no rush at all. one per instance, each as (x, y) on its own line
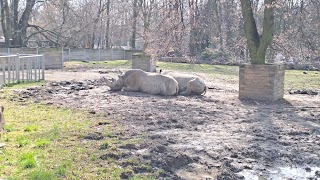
(280, 173)
(198, 172)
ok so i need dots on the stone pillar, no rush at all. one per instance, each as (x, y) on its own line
(1, 81)
(261, 82)
(143, 62)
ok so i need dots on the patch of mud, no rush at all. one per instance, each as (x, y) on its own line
(304, 91)
(197, 137)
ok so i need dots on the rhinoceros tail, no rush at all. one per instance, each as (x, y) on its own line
(205, 90)
(177, 90)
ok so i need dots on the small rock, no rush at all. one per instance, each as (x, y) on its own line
(305, 72)
(92, 112)
(54, 84)
(308, 169)
(2, 145)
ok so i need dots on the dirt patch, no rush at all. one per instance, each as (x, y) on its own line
(202, 137)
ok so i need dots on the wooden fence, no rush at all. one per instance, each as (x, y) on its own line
(16, 68)
(55, 57)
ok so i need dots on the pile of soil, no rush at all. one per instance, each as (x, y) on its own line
(200, 137)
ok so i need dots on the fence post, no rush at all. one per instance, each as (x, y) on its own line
(9, 69)
(111, 54)
(62, 58)
(27, 68)
(69, 54)
(3, 73)
(99, 54)
(43, 67)
(17, 63)
(23, 64)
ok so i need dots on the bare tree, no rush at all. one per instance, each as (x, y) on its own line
(257, 43)
(13, 27)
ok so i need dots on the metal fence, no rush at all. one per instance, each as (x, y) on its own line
(15, 68)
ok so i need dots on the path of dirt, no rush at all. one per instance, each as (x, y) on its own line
(202, 137)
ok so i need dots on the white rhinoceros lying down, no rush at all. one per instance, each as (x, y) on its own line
(141, 81)
(188, 84)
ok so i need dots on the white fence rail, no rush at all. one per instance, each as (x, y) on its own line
(20, 68)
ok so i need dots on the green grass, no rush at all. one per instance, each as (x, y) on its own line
(212, 70)
(41, 175)
(46, 142)
(27, 160)
(42, 143)
(20, 85)
(294, 79)
(99, 64)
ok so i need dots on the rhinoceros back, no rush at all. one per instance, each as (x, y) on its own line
(150, 83)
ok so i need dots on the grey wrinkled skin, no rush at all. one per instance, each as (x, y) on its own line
(189, 84)
(136, 80)
(117, 85)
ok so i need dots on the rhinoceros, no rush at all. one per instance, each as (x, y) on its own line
(188, 84)
(140, 81)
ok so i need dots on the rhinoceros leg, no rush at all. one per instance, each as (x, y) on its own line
(188, 91)
(131, 88)
(194, 87)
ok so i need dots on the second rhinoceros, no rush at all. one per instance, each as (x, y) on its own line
(189, 84)
(141, 81)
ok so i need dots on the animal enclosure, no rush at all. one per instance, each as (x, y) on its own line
(15, 68)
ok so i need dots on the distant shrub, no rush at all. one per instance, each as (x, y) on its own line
(214, 55)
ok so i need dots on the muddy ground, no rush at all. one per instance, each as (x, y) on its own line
(201, 137)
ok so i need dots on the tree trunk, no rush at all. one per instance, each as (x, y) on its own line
(5, 22)
(258, 44)
(16, 32)
(134, 25)
(20, 27)
(108, 25)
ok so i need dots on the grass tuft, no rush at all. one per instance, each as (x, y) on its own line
(22, 141)
(9, 128)
(30, 128)
(27, 160)
(63, 168)
(41, 175)
(42, 143)
(104, 146)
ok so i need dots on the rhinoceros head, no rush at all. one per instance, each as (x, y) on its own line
(116, 85)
